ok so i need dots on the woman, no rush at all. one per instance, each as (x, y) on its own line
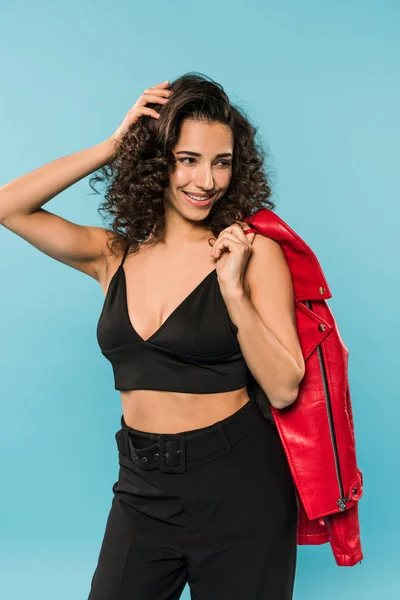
(204, 494)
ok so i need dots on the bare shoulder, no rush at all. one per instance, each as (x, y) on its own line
(266, 261)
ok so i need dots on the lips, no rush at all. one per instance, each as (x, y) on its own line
(202, 203)
(199, 195)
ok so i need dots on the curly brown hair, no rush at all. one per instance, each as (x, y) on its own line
(140, 168)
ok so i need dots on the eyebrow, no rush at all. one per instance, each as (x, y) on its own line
(197, 154)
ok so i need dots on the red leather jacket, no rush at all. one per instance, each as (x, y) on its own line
(317, 430)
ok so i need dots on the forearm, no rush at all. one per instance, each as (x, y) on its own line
(28, 193)
(273, 367)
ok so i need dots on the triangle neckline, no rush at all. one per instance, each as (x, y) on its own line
(170, 316)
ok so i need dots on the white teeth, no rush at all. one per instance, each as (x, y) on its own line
(197, 197)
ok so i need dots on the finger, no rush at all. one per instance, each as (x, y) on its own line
(164, 83)
(145, 110)
(236, 229)
(157, 92)
(250, 236)
(248, 231)
(245, 226)
(233, 229)
(225, 241)
(230, 235)
(146, 98)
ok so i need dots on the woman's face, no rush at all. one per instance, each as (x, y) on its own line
(203, 157)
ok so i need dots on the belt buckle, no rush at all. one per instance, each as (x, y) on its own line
(165, 437)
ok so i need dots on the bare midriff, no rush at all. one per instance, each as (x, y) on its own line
(157, 411)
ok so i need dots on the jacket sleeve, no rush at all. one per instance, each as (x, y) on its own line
(344, 536)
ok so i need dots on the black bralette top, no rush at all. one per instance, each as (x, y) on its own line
(194, 351)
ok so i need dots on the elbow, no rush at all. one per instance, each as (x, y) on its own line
(287, 396)
(285, 400)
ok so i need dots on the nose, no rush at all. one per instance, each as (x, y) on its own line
(204, 178)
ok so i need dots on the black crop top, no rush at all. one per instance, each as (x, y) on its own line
(194, 351)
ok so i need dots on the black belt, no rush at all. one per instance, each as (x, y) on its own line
(172, 451)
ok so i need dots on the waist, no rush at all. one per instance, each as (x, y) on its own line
(174, 452)
(171, 412)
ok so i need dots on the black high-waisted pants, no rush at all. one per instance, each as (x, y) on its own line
(213, 507)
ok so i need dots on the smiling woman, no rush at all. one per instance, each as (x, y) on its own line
(153, 152)
(187, 330)
(181, 353)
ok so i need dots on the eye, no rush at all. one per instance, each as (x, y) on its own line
(224, 162)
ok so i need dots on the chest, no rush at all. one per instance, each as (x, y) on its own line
(180, 310)
(154, 294)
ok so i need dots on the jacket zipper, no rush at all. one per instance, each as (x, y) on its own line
(341, 502)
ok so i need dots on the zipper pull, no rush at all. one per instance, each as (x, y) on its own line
(342, 503)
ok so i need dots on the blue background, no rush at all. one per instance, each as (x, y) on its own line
(321, 81)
